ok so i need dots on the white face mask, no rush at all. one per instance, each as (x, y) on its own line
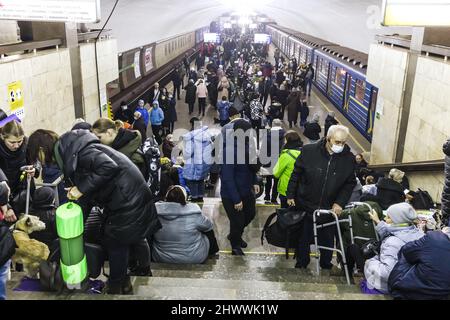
(337, 149)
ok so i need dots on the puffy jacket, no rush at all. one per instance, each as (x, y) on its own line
(446, 191)
(109, 179)
(202, 91)
(329, 121)
(223, 107)
(128, 143)
(321, 179)
(156, 116)
(181, 239)
(423, 269)
(284, 168)
(10, 163)
(378, 268)
(389, 192)
(312, 130)
(144, 114)
(197, 154)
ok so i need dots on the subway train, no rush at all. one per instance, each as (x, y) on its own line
(340, 74)
(141, 67)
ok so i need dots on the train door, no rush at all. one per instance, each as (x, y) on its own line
(372, 111)
(348, 87)
(331, 76)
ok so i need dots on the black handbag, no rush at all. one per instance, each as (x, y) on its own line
(371, 249)
(7, 244)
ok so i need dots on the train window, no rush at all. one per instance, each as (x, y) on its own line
(323, 66)
(360, 90)
(303, 55)
(340, 75)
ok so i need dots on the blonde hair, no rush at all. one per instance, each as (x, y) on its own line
(12, 129)
(396, 175)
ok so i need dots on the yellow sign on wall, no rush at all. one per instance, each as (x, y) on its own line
(15, 95)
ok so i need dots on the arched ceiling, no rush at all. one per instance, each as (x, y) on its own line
(350, 23)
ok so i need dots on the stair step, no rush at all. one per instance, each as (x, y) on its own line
(244, 284)
(247, 294)
(271, 274)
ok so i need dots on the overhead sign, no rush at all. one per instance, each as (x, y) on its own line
(81, 11)
(416, 13)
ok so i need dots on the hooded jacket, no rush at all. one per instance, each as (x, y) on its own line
(446, 191)
(109, 179)
(197, 154)
(181, 239)
(10, 163)
(156, 116)
(423, 269)
(285, 166)
(329, 121)
(144, 114)
(128, 143)
(321, 179)
(378, 268)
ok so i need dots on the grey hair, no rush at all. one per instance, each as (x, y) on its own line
(316, 117)
(276, 123)
(334, 129)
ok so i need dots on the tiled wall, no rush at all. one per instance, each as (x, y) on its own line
(386, 70)
(108, 70)
(428, 126)
(433, 182)
(47, 89)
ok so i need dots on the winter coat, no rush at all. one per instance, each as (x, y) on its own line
(321, 179)
(128, 143)
(282, 97)
(293, 106)
(191, 93)
(181, 239)
(156, 116)
(10, 163)
(109, 179)
(167, 148)
(378, 268)
(197, 154)
(312, 130)
(284, 168)
(202, 91)
(237, 180)
(357, 192)
(172, 111)
(48, 216)
(139, 125)
(223, 107)
(329, 121)
(155, 96)
(389, 192)
(362, 224)
(144, 114)
(423, 269)
(446, 191)
(124, 115)
(176, 78)
(256, 110)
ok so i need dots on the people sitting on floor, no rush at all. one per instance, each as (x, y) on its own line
(397, 230)
(182, 239)
(423, 269)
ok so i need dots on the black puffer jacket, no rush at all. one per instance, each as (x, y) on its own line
(446, 192)
(10, 163)
(108, 178)
(321, 179)
(389, 192)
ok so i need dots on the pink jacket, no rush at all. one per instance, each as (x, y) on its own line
(202, 91)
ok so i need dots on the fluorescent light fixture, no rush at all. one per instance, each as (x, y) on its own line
(416, 13)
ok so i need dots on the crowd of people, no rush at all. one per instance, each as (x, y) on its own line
(106, 170)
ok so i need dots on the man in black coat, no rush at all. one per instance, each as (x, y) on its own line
(323, 177)
(102, 175)
(176, 80)
(191, 95)
(124, 113)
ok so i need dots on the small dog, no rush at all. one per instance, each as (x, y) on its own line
(29, 252)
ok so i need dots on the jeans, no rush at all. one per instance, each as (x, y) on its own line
(197, 188)
(325, 238)
(309, 83)
(4, 270)
(239, 219)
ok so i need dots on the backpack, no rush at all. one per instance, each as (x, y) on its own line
(285, 231)
(152, 155)
(422, 200)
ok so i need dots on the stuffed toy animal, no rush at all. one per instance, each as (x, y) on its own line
(29, 252)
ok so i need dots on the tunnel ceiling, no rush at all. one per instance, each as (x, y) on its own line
(350, 23)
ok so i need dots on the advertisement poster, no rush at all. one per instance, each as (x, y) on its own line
(148, 59)
(137, 65)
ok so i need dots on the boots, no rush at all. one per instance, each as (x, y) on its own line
(119, 288)
(141, 272)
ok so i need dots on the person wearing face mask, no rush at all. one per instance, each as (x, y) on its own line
(141, 109)
(323, 177)
(124, 113)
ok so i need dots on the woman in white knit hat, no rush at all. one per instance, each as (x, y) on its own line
(398, 229)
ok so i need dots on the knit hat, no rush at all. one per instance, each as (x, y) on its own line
(401, 213)
(43, 197)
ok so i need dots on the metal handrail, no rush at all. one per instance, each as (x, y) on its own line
(53, 185)
(434, 165)
(29, 45)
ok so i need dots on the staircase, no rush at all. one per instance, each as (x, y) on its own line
(263, 274)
